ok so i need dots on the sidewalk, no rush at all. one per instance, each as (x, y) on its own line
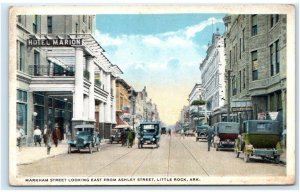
(30, 154)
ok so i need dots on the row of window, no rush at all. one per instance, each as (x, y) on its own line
(242, 82)
(274, 61)
(274, 18)
(35, 25)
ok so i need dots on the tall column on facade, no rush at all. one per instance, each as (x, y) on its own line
(78, 93)
(113, 84)
(108, 104)
(90, 68)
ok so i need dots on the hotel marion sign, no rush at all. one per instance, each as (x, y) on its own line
(54, 42)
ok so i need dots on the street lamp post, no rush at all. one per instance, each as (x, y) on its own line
(228, 94)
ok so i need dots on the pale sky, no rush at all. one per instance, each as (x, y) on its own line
(161, 52)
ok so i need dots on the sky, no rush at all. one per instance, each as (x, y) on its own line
(160, 51)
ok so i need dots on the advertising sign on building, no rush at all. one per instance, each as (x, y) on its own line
(261, 116)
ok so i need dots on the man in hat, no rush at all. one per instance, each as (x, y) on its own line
(37, 135)
(46, 134)
(56, 135)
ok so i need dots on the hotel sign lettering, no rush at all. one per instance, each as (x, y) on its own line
(54, 42)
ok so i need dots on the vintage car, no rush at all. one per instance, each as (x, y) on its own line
(225, 134)
(259, 138)
(116, 133)
(202, 131)
(189, 133)
(148, 134)
(85, 138)
(163, 130)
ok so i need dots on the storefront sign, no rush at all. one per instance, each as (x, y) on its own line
(261, 116)
(273, 115)
(240, 109)
(54, 42)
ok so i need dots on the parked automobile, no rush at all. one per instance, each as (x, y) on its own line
(202, 131)
(225, 134)
(189, 133)
(85, 138)
(148, 134)
(259, 138)
(163, 130)
(116, 133)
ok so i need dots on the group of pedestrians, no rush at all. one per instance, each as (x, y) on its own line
(38, 134)
(127, 137)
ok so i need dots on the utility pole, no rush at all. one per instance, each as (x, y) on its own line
(228, 93)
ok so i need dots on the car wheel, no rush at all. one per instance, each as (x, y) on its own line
(277, 159)
(90, 148)
(246, 158)
(69, 149)
(111, 141)
(237, 153)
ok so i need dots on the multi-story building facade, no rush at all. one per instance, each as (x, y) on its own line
(196, 112)
(184, 119)
(141, 103)
(123, 115)
(133, 108)
(212, 75)
(255, 47)
(63, 78)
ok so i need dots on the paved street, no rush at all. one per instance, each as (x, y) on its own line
(175, 157)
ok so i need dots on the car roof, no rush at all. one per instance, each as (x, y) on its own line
(84, 126)
(149, 123)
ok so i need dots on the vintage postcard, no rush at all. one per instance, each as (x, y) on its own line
(152, 95)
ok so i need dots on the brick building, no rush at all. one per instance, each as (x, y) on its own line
(255, 49)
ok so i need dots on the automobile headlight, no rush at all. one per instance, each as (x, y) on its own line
(75, 142)
(84, 142)
(153, 139)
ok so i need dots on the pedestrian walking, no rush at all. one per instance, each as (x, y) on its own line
(49, 144)
(46, 135)
(209, 138)
(182, 133)
(56, 135)
(130, 138)
(126, 137)
(169, 131)
(19, 134)
(123, 137)
(37, 135)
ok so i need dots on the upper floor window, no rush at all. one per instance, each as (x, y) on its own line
(274, 58)
(244, 78)
(36, 58)
(254, 25)
(84, 18)
(240, 78)
(19, 19)
(277, 55)
(243, 39)
(35, 24)
(274, 19)
(240, 52)
(254, 65)
(21, 56)
(49, 24)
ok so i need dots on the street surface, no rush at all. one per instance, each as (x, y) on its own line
(176, 156)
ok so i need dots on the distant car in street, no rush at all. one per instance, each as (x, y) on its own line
(189, 133)
(86, 137)
(148, 134)
(163, 130)
(202, 131)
